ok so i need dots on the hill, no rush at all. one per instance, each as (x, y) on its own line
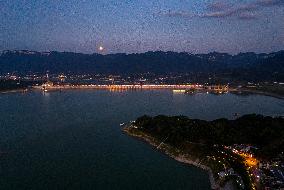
(243, 66)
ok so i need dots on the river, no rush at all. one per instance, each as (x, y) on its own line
(72, 139)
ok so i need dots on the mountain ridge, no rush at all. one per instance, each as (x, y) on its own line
(158, 62)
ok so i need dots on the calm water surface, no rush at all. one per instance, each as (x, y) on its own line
(72, 139)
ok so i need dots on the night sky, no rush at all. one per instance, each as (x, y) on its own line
(197, 26)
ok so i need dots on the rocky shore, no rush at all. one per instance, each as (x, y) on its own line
(181, 157)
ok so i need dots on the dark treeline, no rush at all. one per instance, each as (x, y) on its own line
(243, 66)
(15, 84)
(266, 133)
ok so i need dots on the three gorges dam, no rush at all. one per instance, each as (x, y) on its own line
(49, 86)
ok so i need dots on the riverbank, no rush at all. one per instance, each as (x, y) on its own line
(241, 91)
(13, 91)
(177, 155)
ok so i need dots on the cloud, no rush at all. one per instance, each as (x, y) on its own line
(183, 14)
(230, 11)
(269, 3)
(219, 14)
(217, 6)
(221, 9)
(247, 16)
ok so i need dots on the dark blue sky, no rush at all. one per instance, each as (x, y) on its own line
(197, 26)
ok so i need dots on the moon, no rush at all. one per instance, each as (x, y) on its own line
(101, 48)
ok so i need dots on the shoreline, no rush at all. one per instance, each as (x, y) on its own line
(182, 158)
(257, 92)
(14, 91)
(232, 91)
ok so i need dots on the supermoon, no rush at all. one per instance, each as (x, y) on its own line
(101, 48)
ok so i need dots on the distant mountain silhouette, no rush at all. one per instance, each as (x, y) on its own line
(254, 66)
